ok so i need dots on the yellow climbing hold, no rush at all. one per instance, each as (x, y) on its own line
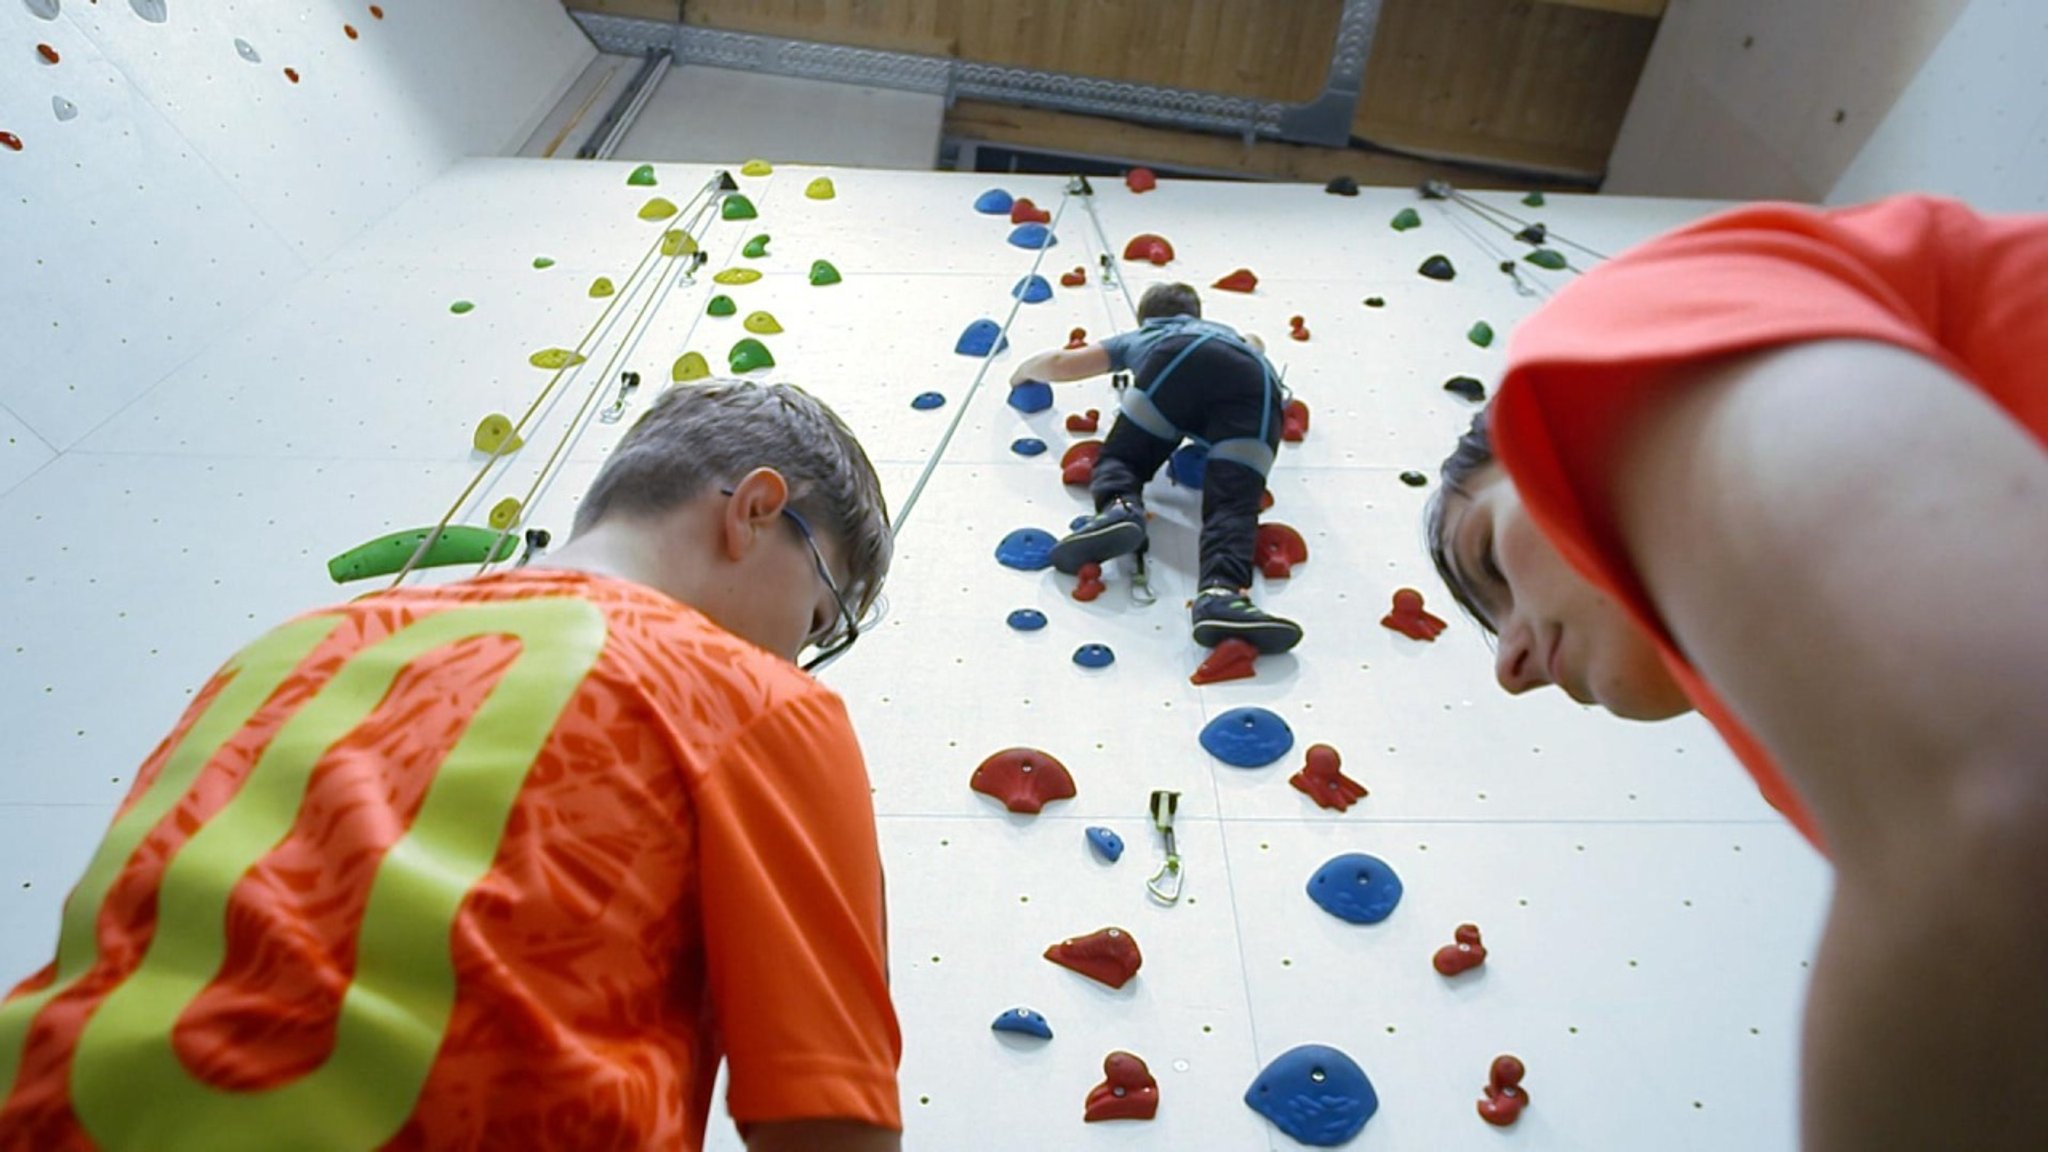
(494, 435)
(737, 276)
(678, 243)
(761, 323)
(555, 358)
(505, 513)
(820, 189)
(659, 208)
(602, 286)
(756, 168)
(690, 366)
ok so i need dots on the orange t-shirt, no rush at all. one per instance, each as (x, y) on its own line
(503, 864)
(1966, 291)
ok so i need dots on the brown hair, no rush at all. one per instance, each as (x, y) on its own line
(1169, 300)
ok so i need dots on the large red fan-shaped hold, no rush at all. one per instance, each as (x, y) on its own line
(1323, 780)
(1074, 279)
(1294, 422)
(1464, 955)
(1141, 180)
(1127, 1091)
(1410, 620)
(1024, 779)
(1109, 956)
(1505, 1096)
(1077, 467)
(1241, 280)
(1230, 660)
(1023, 211)
(1084, 423)
(1149, 247)
(1089, 584)
(1277, 549)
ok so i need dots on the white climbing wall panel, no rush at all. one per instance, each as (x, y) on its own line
(1649, 919)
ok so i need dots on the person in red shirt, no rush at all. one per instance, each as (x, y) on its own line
(512, 862)
(1789, 467)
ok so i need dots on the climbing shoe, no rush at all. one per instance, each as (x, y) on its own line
(1221, 614)
(1117, 530)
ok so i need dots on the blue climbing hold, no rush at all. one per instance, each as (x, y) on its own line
(1316, 1094)
(1107, 844)
(1025, 1021)
(1248, 737)
(994, 202)
(1094, 656)
(1077, 522)
(1026, 620)
(980, 338)
(1356, 887)
(1027, 548)
(926, 401)
(1033, 289)
(1187, 465)
(1033, 236)
(1028, 446)
(1031, 396)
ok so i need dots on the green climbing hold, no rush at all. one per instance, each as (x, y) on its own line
(659, 208)
(757, 247)
(689, 366)
(822, 272)
(642, 177)
(1533, 199)
(454, 544)
(543, 262)
(748, 355)
(601, 287)
(1406, 219)
(721, 305)
(1549, 258)
(737, 207)
(555, 359)
(461, 306)
(1481, 334)
(762, 323)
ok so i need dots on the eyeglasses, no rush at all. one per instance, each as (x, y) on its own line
(835, 642)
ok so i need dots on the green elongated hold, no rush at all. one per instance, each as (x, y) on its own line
(721, 305)
(757, 247)
(642, 177)
(822, 272)
(1405, 219)
(748, 355)
(1533, 199)
(1481, 334)
(543, 262)
(457, 544)
(461, 306)
(1549, 258)
(737, 207)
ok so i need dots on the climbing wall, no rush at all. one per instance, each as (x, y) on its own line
(1647, 920)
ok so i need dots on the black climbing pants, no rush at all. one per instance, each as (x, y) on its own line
(1217, 393)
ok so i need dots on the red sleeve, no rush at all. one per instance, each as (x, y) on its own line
(794, 922)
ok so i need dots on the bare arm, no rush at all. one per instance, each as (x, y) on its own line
(821, 1136)
(1063, 364)
(1852, 546)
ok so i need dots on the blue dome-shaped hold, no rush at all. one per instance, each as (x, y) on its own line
(1030, 396)
(1356, 887)
(1033, 289)
(1028, 446)
(1026, 620)
(1023, 1021)
(1078, 522)
(1107, 844)
(926, 401)
(1029, 549)
(994, 202)
(1316, 1094)
(1187, 465)
(980, 338)
(1094, 656)
(1248, 737)
(1032, 236)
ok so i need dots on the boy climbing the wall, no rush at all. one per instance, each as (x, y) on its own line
(512, 862)
(1193, 379)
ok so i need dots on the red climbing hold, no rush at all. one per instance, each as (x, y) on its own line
(292, 74)
(1278, 549)
(376, 11)
(1230, 660)
(1468, 953)
(10, 141)
(1023, 211)
(1024, 779)
(1078, 338)
(1091, 584)
(1077, 422)
(350, 30)
(1150, 247)
(1109, 956)
(1241, 280)
(1505, 1096)
(1297, 328)
(1127, 1091)
(1078, 465)
(1141, 180)
(1323, 780)
(1266, 500)
(1294, 422)
(1074, 279)
(48, 53)
(1410, 620)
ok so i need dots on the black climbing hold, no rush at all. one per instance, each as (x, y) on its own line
(1375, 302)
(1342, 186)
(1414, 479)
(726, 183)
(1508, 266)
(1535, 235)
(1438, 267)
(1466, 387)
